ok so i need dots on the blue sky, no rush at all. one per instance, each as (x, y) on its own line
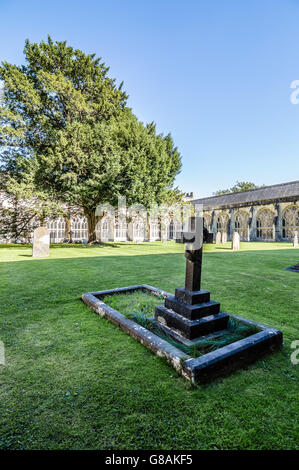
(215, 73)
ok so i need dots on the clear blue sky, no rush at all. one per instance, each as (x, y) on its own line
(215, 73)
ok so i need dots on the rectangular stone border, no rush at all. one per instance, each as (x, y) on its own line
(198, 370)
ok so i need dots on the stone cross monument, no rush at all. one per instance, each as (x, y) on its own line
(193, 254)
(190, 314)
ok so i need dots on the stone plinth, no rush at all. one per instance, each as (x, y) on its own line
(191, 314)
(41, 242)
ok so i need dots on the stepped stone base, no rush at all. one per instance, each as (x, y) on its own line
(191, 314)
(202, 369)
(192, 297)
(191, 329)
(174, 334)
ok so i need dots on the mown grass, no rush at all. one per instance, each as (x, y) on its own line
(72, 380)
(140, 306)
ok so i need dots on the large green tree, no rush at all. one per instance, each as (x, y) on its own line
(88, 146)
(23, 206)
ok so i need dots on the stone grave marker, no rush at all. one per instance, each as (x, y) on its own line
(41, 242)
(224, 237)
(188, 318)
(218, 238)
(295, 241)
(190, 313)
(236, 241)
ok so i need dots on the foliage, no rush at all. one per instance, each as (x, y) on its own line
(23, 207)
(238, 187)
(88, 146)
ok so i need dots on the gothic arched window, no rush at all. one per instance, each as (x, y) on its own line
(265, 224)
(290, 222)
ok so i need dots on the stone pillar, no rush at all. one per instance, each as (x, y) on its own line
(231, 222)
(99, 227)
(130, 231)
(278, 223)
(252, 226)
(163, 230)
(147, 230)
(213, 224)
(111, 234)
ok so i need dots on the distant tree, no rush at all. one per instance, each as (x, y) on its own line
(238, 187)
(88, 146)
(22, 206)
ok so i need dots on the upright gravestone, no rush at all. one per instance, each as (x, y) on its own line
(236, 241)
(295, 241)
(218, 238)
(224, 237)
(41, 242)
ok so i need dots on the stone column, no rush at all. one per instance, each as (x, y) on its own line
(231, 222)
(213, 224)
(163, 230)
(130, 230)
(111, 234)
(278, 223)
(147, 230)
(252, 226)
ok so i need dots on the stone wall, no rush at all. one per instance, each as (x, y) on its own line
(261, 222)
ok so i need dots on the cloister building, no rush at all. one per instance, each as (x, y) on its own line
(270, 213)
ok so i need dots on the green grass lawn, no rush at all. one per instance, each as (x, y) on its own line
(72, 380)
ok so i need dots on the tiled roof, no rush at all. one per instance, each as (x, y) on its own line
(266, 194)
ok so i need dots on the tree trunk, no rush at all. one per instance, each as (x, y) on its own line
(92, 221)
(68, 233)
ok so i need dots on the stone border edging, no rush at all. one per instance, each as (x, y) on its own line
(202, 369)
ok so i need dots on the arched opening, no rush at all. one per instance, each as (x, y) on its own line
(222, 223)
(290, 222)
(104, 230)
(154, 230)
(171, 232)
(207, 219)
(138, 230)
(120, 231)
(56, 228)
(241, 225)
(79, 228)
(265, 225)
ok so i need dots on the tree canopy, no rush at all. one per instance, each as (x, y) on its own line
(86, 144)
(238, 187)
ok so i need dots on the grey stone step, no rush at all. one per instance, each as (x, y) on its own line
(191, 329)
(192, 297)
(192, 312)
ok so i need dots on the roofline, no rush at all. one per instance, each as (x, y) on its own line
(247, 191)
